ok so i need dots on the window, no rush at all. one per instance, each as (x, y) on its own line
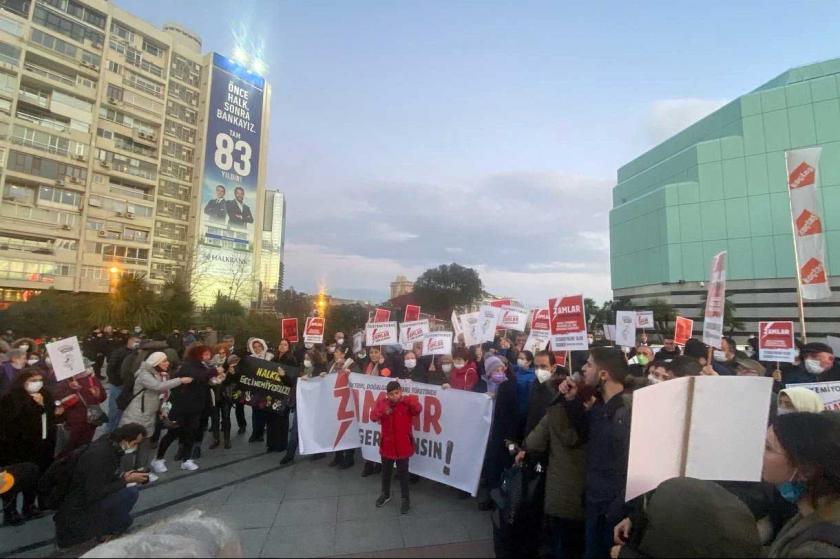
(43, 141)
(186, 71)
(169, 250)
(114, 92)
(54, 43)
(173, 210)
(28, 270)
(10, 54)
(139, 82)
(8, 83)
(125, 164)
(179, 131)
(121, 31)
(67, 27)
(118, 253)
(174, 190)
(121, 206)
(175, 170)
(19, 194)
(61, 196)
(10, 26)
(173, 231)
(70, 101)
(178, 151)
(136, 235)
(47, 168)
(152, 48)
(183, 93)
(92, 59)
(114, 67)
(131, 122)
(79, 11)
(181, 112)
(19, 7)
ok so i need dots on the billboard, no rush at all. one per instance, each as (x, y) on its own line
(229, 198)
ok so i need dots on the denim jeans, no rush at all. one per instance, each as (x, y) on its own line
(116, 510)
(114, 413)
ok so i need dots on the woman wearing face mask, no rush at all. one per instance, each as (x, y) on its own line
(27, 426)
(11, 368)
(723, 359)
(409, 369)
(504, 426)
(28, 345)
(76, 394)
(802, 458)
(525, 376)
(439, 371)
(817, 365)
(798, 399)
(464, 374)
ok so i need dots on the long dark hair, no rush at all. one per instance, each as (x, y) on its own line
(812, 443)
(19, 382)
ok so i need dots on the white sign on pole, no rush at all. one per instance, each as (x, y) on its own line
(609, 332)
(488, 318)
(715, 302)
(358, 342)
(513, 318)
(625, 328)
(411, 332)
(437, 343)
(537, 340)
(471, 326)
(66, 358)
(381, 333)
(644, 320)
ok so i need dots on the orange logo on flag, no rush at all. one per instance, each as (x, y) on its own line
(812, 272)
(803, 175)
(808, 224)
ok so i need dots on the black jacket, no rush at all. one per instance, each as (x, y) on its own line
(115, 361)
(96, 475)
(193, 398)
(21, 429)
(237, 217)
(541, 396)
(504, 426)
(216, 209)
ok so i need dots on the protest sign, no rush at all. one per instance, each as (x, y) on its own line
(537, 341)
(715, 302)
(513, 318)
(456, 325)
(609, 332)
(381, 333)
(381, 315)
(568, 323)
(625, 328)
(289, 329)
(683, 428)
(488, 319)
(541, 320)
(828, 391)
(450, 434)
(471, 328)
(313, 330)
(358, 342)
(561, 358)
(412, 313)
(776, 342)
(411, 332)
(499, 303)
(264, 384)
(644, 320)
(683, 330)
(437, 343)
(66, 358)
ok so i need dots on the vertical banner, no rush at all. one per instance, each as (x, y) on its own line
(230, 179)
(313, 330)
(568, 324)
(289, 330)
(381, 333)
(776, 342)
(806, 216)
(381, 315)
(715, 302)
(683, 330)
(625, 328)
(412, 313)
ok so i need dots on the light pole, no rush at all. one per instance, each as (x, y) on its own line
(114, 278)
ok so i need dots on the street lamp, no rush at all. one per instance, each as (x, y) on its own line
(115, 277)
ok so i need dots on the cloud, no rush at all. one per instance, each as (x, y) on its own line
(670, 116)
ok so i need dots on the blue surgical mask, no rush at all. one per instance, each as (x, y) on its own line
(791, 491)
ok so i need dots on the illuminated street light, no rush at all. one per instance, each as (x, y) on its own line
(114, 270)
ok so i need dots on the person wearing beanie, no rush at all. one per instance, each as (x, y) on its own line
(504, 426)
(799, 399)
(396, 444)
(151, 389)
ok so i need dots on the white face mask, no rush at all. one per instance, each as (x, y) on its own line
(719, 355)
(308, 346)
(331, 349)
(34, 386)
(24, 347)
(784, 411)
(135, 345)
(410, 363)
(339, 341)
(446, 368)
(814, 366)
(31, 360)
(130, 450)
(361, 355)
(307, 364)
(750, 352)
(458, 364)
(653, 379)
(543, 375)
(522, 363)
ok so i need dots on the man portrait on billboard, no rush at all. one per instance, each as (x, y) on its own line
(238, 211)
(216, 209)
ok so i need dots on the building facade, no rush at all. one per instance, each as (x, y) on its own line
(401, 286)
(104, 121)
(273, 241)
(721, 184)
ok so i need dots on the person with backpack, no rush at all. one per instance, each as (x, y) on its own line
(97, 500)
(141, 403)
(115, 379)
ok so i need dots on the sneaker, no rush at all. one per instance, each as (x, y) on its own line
(405, 506)
(382, 500)
(189, 465)
(153, 477)
(159, 466)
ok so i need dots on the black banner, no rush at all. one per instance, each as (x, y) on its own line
(264, 384)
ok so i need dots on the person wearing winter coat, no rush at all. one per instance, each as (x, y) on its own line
(342, 361)
(151, 389)
(502, 387)
(115, 379)
(11, 368)
(464, 375)
(259, 349)
(394, 413)
(799, 399)
(544, 390)
(76, 395)
(525, 376)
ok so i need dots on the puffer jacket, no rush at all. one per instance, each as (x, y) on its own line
(799, 536)
(144, 408)
(397, 440)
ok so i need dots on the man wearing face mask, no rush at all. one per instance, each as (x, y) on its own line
(115, 379)
(818, 364)
(10, 369)
(723, 359)
(544, 390)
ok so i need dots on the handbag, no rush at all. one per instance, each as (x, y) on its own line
(95, 416)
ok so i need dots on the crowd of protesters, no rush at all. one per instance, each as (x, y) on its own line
(567, 425)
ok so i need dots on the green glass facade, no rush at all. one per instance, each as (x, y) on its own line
(721, 185)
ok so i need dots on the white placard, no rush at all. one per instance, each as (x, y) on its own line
(66, 358)
(609, 332)
(488, 319)
(437, 343)
(411, 332)
(644, 320)
(358, 342)
(381, 333)
(471, 326)
(625, 328)
(513, 318)
(537, 341)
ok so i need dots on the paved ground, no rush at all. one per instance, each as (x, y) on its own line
(306, 510)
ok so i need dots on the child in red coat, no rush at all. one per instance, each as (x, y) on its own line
(396, 443)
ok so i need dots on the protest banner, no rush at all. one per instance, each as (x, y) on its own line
(715, 302)
(66, 358)
(313, 330)
(381, 315)
(644, 320)
(412, 313)
(513, 318)
(411, 332)
(471, 328)
(381, 333)
(358, 342)
(683, 428)
(537, 341)
(264, 384)
(828, 391)
(625, 328)
(541, 320)
(568, 323)
(561, 358)
(499, 303)
(289, 329)
(437, 343)
(683, 330)
(450, 434)
(776, 342)
(609, 332)
(488, 319)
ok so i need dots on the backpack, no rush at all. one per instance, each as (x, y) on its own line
(55, 484)
(128, 367)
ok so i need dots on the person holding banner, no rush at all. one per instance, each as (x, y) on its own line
(377, 365)
(259, 349)
(342, 361)
(77, 395)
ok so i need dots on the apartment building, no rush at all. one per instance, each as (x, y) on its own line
(103, 126)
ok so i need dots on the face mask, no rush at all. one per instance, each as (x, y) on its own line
(750, 352)
(35, 386)
(447, 368)
(24, 347)
(135, 345)
(459, 364)
(32, 361)
(410, 363)
(791, 491)
(719, 355)
(543, 375)
(784, 411)
(138, 330)
(129, 450)
(653, 379)
(339, 341)
(642, 359)
(331, 349)
(522, 363)
(498, 377)
(813, 366)
(307, 364)
(308, 346)
(361, 355)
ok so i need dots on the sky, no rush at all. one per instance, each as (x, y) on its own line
(409, 134)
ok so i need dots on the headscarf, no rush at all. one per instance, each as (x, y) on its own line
(261, 355)
(804, 399)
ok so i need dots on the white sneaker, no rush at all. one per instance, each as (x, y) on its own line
(153, 477)
(189, 465)
(159, 466)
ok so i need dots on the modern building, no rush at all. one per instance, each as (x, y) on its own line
(273, 241)
(106, 123)
(721, 184)
(401, 286)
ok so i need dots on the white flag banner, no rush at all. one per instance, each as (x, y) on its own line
(625, 328)
(488, 319)
(411, 332)
(456, 325)
(66, 358)
(437, 343)
(715, 302)
(513, 318)
(537, 340)
(381, 333)
(450, 434)
(806, 216)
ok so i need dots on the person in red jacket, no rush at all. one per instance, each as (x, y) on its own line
(76, 395)
(396, 443)
(464, 375)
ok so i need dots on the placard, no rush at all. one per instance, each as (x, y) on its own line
(381, 315)
(437, 343)
(289, 329)
(715, 302)
(625, 328)
(358, 342)
(776, 342)
(488, 319)
(264, 384)
(471, 328)
(609, 332)
(66, 358)
(381, 333)
(412, 313)
(568, 324)
(644, 320)
(411, 332)
(513, 318)
(537, 341)
(683, 330)
(313, 330)
(541, 320)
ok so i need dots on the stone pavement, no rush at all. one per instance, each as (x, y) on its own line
(306, 510)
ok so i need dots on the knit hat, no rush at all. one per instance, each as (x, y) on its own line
(156, 358)
(491, 363)
(804, 399)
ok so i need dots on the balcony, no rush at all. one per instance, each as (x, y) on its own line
(55, 150)
(35, 97)
(56, 219)
(27, 276)
(50, 74)
(131, 192)
(44, 122)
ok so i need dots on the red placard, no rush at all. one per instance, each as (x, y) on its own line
(560, 358)
(289, 329)
(566, 315)
(313, 330)
(412, 313)
(776, 341)
(501, 302)
(381, 315)
(541, 320)
(682, 330)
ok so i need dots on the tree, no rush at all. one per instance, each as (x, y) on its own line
(176, 304)
(294, 304)
(224, 313)
(664, 314)
(439, 290)
(591, 308)
(345, 318)
(131, 303)
(53, 313)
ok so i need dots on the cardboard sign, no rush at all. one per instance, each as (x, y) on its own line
(411, 332)
(541, 320)
(683, 428)
(537, 341)
(828, 391)
(289, 329)
(625, 328)
(358, 342)
(381, 315)
(412, 313)
(313, 330)
(471, 328)
(644, 320)
(264, 384)
(488, 319)
(609, 332)
(776, 342)
(499, 303)
(683, 330)
(437, 343)
(568, 323)
(66, 358)
(513, 318)
(715, 302)
(381, 333)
